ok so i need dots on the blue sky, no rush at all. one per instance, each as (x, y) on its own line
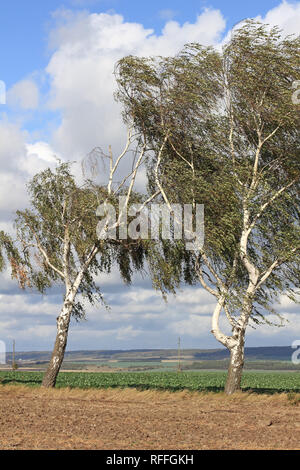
(57, 61)
(24, 25)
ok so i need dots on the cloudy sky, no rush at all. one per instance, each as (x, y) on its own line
(57, 62)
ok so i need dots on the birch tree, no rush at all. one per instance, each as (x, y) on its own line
(223, 130)
(59, 240)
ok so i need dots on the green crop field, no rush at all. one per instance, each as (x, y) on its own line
(260, 382)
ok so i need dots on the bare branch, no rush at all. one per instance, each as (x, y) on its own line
(213, 292)
(274, 265)
(269, 202)
(113, 167)
(44, 253)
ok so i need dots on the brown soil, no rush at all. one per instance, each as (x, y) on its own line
(128, 419)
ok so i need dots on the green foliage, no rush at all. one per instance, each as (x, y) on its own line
(57, 235)
(6, 246)
(8, 250)
(260, 382)
(228, 134)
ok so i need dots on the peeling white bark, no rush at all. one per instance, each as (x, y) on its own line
(227, 341)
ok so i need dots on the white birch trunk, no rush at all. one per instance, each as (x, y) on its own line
(63, 322)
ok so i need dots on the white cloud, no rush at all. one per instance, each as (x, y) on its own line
(24, 94)
(81, 70)
(12, 145)
(39, 156)
(19, 162)
(12, 193)
(291, 328)
(286, 303)
(16, 154)
(286, 16)
(36, 305)
(141, 295)
(43, 151)
(194, 326)
(128, 332)
(196, 296)
(12, 151)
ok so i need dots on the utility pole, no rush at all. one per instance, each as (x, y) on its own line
(179, 364)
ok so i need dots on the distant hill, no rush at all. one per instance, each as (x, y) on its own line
(279, 353)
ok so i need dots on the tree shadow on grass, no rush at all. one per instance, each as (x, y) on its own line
(270, 391)
(218, 389)
(14, 381)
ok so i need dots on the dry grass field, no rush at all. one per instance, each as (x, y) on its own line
(33, 418)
